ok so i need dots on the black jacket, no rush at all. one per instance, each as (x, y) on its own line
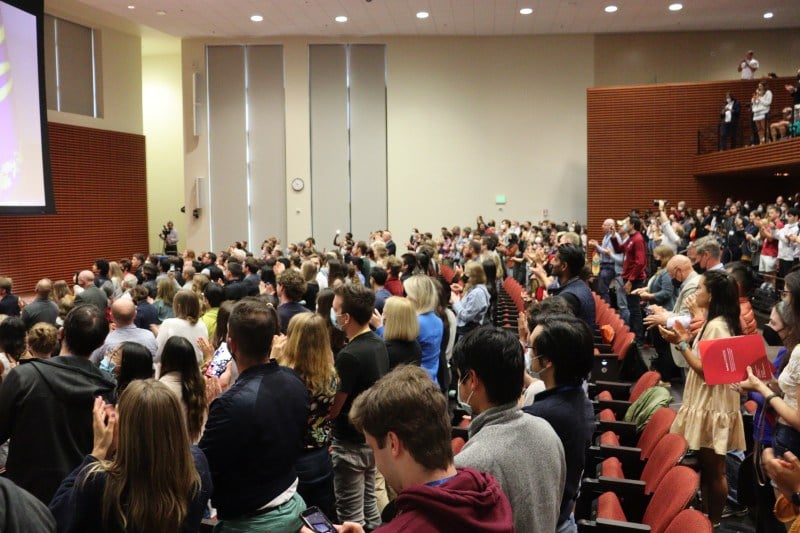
(46, 411)
(253, 437)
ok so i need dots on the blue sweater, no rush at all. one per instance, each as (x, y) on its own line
(431, 330)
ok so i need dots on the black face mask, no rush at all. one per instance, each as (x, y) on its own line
(677, 284)
(771, 337)
(697, 268)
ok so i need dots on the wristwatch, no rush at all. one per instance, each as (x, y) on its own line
(683, 346)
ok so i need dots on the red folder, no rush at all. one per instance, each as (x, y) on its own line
(726, 360)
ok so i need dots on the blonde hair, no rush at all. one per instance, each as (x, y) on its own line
(422, 292)
(379, 247)
(166, 291)
(42, 339)
(187, 306)
(152, 477)
(401, 320)
(308, 352)
(115, 271)
(665, 253)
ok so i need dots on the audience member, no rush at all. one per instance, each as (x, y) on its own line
(633, 269)
(129, 361)
(377, 282)
(123, 314)
(55, 394)
(12, 343)
(90, 293)
(400, 330)
(404, 419)
(165, 297)
(522, 451)
(308, 352)
(291, 288)
(186, 324)
(146, 313)
(179, 372)
(471, 303)
(359, 365)
(568, 264)
(562, 354)
(255, 429)
(709, 416)
(422, 292)
(142, 474)
(748, 66)
(42, 308)
(215, 351)
(760, 104)
(42, 341)
(729, 123)
(213, 296)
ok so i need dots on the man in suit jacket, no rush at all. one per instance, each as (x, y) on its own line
(91, 294)
(683, 275)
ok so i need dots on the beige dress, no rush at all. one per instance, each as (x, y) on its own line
(709, 416)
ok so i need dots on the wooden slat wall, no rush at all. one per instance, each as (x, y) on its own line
(642, 145)
(775, 156)
(100, 189)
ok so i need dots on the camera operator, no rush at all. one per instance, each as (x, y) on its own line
(170, 237)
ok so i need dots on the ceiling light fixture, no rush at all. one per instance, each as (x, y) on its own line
(341, 18)
(525, 11)
(423, 15)
(131, 7)
(611, 9)
(769, 15)
(161, 12)
(256, 18)
(675, 7)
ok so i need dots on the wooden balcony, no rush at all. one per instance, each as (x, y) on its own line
(777, 160)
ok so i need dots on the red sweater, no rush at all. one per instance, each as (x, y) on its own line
(471, 501)
(635, 261)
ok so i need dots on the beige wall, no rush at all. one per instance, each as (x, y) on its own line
(468, 119)
(163, 128)
(643, 58)
(121, 70)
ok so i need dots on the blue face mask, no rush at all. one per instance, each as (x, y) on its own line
(107, 365)
(333, 320)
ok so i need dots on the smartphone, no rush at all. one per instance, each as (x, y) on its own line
(317, 521)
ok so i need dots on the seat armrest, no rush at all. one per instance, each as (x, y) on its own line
(603, 525)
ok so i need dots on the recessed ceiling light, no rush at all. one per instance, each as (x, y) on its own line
(131, 7)
(525, 11)
(341, 18)
(161, 12)
(611, 9)
(769, 15)
(256, 18)
(423, 15)
(675, 7)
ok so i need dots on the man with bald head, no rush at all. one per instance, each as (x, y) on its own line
(123, 313)
(686, 280)
(90, 294)
(391, 247)
(42, 308)
(610, 264)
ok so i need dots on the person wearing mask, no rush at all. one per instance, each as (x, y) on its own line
(502, 439)
(729, 122)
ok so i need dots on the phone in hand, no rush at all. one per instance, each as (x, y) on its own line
(316, 520)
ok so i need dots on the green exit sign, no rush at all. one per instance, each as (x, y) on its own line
(500, 199)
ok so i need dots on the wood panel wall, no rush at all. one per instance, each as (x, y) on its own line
(643, 143)
(100, 189)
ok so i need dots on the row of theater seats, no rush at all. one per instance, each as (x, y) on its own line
(634, 481)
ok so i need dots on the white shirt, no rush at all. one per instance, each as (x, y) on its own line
(180, 327)
(748, 68)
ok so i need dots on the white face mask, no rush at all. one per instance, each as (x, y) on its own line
(538, 240)
(728, 100)
(464, 405)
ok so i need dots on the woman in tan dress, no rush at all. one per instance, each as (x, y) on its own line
(709, 417)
